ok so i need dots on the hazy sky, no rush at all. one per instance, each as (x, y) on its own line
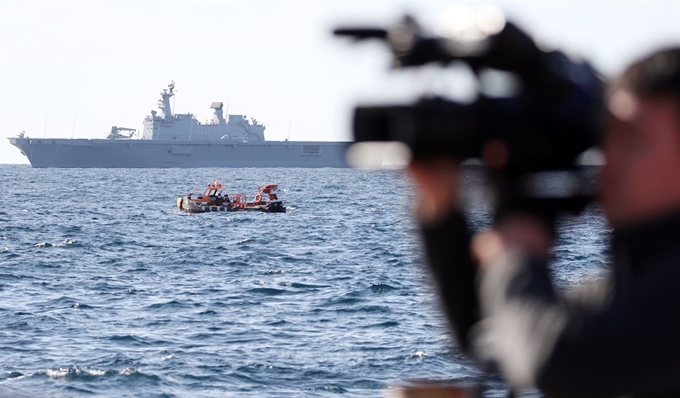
(103, 63)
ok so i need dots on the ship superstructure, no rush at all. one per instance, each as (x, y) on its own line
(169, 126)
(180, 140)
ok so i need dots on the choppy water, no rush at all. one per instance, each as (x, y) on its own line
(106, 290)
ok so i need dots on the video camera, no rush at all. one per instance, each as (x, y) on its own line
(555, 117)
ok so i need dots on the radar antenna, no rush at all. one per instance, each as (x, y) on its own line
(164, 102)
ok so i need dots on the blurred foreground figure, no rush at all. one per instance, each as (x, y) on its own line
(617, 337)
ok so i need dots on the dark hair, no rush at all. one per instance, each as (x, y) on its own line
(656, 75)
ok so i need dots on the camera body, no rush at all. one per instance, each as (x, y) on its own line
(555, 117)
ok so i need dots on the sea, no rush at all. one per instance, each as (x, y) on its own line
(107, 290)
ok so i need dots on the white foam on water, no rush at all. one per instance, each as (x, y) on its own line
(57, 373)
(61, 373)
(66, 242)
(127, 371)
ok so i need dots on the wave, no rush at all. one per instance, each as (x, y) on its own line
(381, 287)
(64, 243)
(172, 304)
(267, 291)
(86, 373)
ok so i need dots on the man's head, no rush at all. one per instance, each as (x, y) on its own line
(641, 178)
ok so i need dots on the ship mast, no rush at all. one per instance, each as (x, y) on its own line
(164, 102)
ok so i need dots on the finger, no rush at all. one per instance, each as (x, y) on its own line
(486, 247)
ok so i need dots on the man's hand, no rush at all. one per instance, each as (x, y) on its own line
(437, 184)
(524, 232)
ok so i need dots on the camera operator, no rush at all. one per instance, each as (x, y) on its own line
(619, 336)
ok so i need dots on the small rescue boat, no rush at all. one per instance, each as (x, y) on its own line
(212, 199)
(272, 204)
(215, 199)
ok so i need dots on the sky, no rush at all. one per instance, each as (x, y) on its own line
(74, 68)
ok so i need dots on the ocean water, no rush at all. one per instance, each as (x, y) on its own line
(107, 290)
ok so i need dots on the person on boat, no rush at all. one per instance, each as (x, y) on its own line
(619, 336)
(219, 201)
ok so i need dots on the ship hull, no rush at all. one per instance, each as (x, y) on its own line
(106, 153)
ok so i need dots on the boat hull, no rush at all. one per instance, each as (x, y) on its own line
(106, 153)
(186, 205)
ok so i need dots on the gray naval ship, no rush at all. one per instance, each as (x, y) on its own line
(179, 140)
